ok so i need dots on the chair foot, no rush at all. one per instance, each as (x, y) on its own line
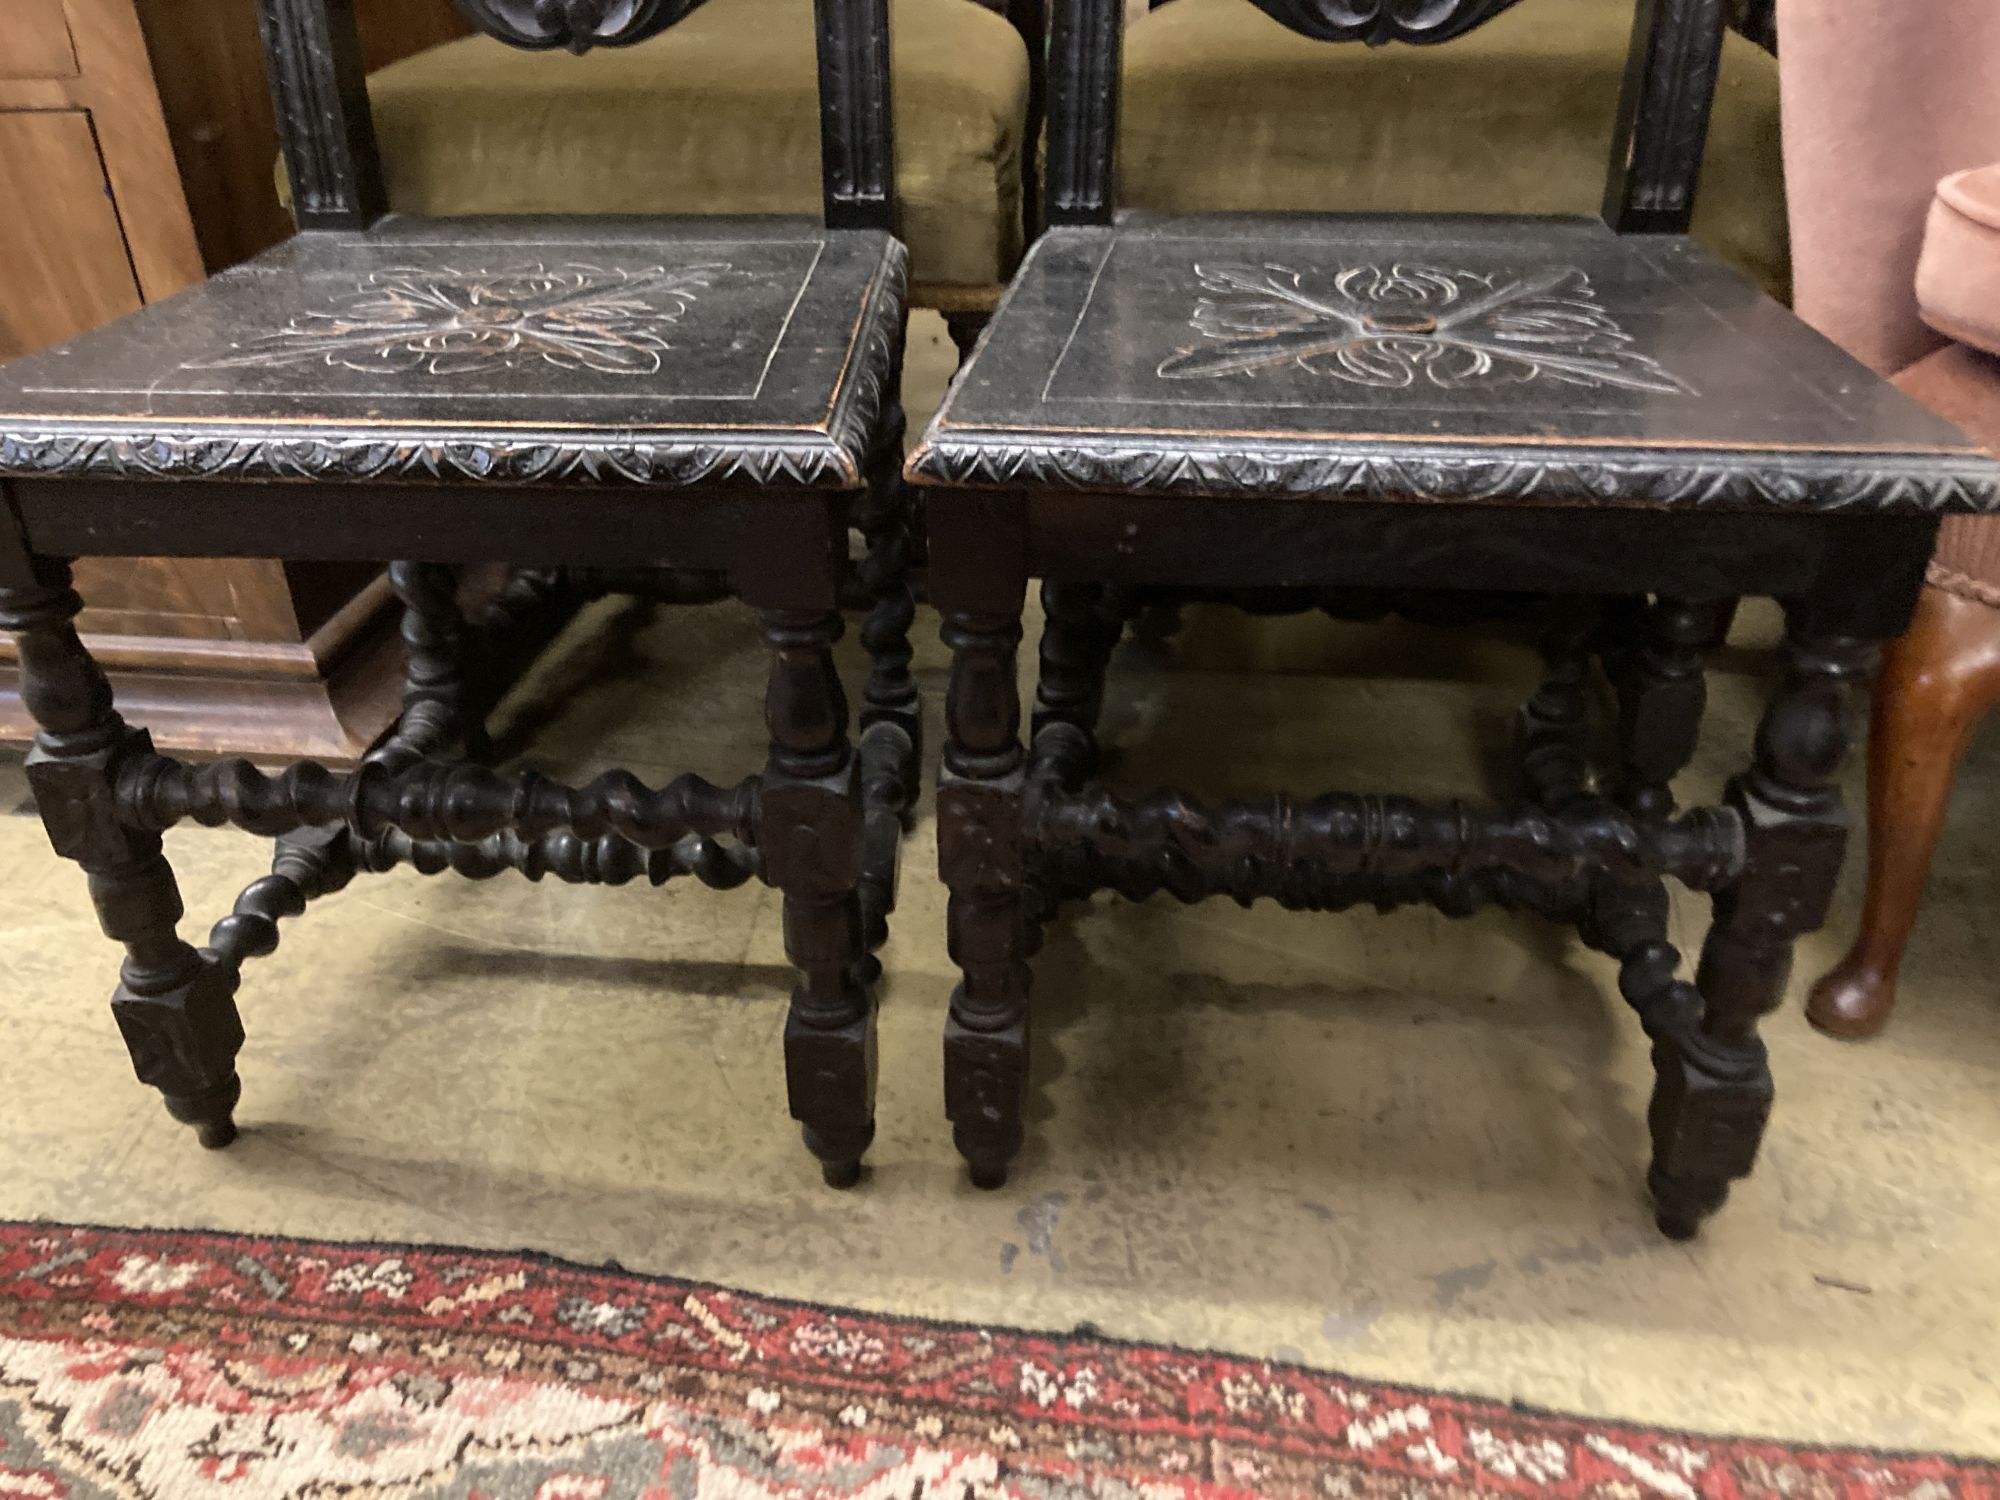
(988, 1152)
(1851, 1001)
(840, 1175)
(839, 1152)
(1682, 1203)
(211, 1113)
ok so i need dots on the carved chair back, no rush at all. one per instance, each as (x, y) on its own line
(1656, 147)
(319, 85)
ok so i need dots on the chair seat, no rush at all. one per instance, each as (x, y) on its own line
(1224, 109)
(720, 115)
(654, 352)
(1443, 359)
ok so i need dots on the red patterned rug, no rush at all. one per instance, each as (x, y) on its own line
(146, 1365)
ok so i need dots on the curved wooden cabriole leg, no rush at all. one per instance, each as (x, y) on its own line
(1938, 682)
(175, 1006)
(980, 856)
(1713, 1092)
(809, 829)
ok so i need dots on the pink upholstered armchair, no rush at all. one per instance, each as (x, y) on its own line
(1892, 158)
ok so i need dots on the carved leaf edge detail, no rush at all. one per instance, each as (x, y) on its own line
(1646, 480)
(811, 461)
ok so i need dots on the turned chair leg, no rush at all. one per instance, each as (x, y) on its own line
(1713, 1091)
(965, 328)
(175, 1006)
(810, 835)
(980, 857)
(1662, 694)
(1937, 684)
(1079, 634)
(892, 719)
(437, 683)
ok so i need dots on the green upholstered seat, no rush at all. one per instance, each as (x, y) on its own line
(720, 115)
(1226, 109)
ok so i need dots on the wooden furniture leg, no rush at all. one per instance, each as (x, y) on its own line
(1937, 684)
(437, 686)
(980, 856)
(1662, 693)
(1078, 636)
(811, 841)
(1713, 1092)
(175, 1006)
(965, 328)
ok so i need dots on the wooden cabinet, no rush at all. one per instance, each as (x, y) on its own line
(242, 655)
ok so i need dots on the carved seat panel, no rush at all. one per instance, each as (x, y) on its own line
(1427, 359)
(645, 351)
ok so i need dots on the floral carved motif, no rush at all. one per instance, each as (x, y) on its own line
(577, 25)
(1380, 21)
(447, 322)
(1408, 324)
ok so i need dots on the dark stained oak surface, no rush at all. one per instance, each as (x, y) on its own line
(1450, 359)
(649, 351)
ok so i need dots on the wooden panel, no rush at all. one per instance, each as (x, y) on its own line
(209, 67)
(187, 598)
(138, 154)
(36, 41)
(62, 259)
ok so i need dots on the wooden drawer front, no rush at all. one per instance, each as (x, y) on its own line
(63, 263)
(35, 42)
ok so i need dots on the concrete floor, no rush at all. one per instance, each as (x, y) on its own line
(1403, 1147)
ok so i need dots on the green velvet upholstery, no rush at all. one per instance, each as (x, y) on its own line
(1226, 109)
(719, 115)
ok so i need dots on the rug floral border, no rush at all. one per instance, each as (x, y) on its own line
(1059, 1405)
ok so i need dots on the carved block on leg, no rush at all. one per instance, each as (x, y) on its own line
(830, 1080)
(183, 1040)
(985, 1090)
(1710, 1105)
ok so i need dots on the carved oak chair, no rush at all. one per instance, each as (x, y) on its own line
(686, 408)
(1598, 413)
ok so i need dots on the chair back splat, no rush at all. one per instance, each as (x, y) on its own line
(1656, 149)
(320, 91)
